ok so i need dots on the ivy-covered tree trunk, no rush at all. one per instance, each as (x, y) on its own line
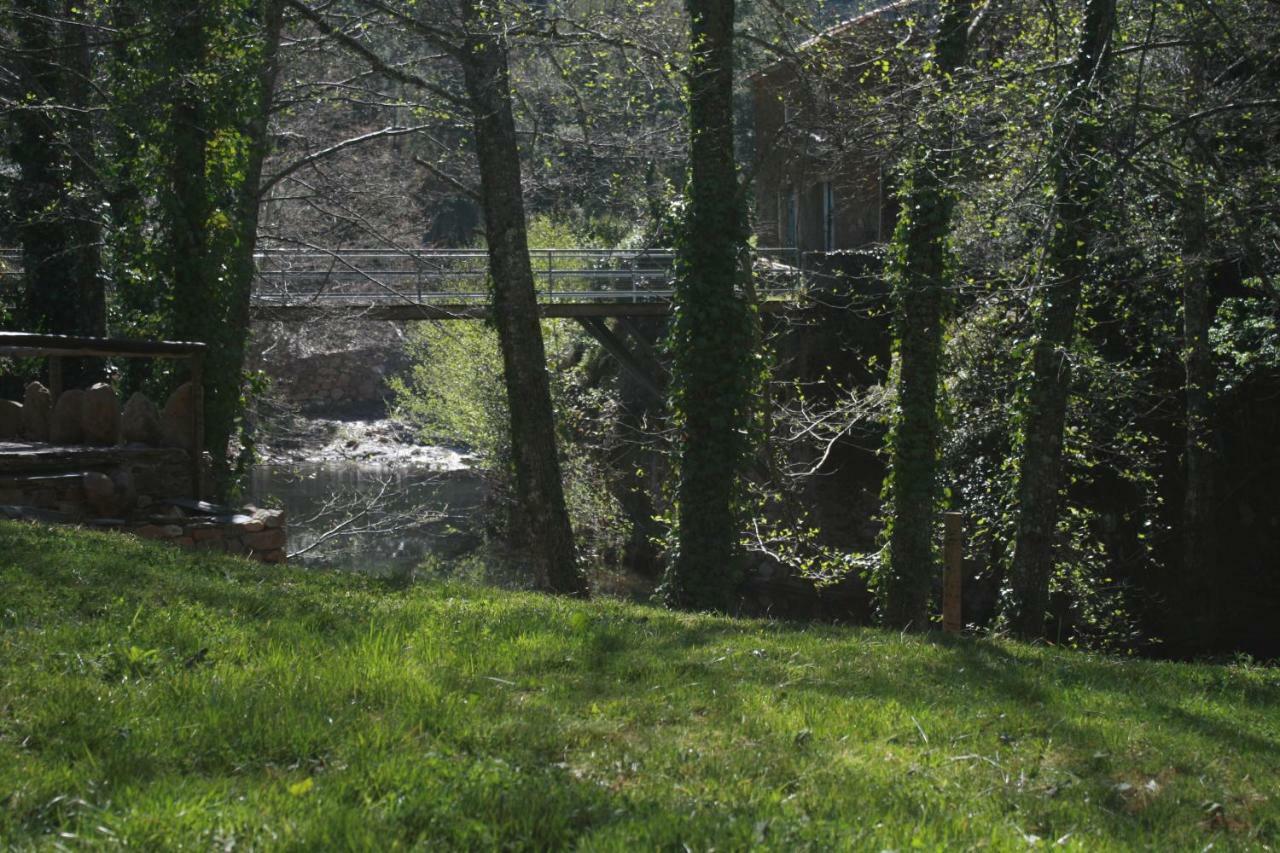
(714, 340)
(921, 277)
(188, 204)
(1077, 139)
(539, 489)
(54, 199)
(212, 211)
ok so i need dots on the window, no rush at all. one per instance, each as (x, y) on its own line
(790, 218)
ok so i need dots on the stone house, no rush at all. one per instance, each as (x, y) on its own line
(820, 184)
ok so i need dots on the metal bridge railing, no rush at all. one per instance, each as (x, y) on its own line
(10, 263)
(290, 276)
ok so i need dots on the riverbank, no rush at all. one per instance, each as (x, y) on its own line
(158, 699)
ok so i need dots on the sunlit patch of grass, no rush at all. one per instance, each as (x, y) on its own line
(161, 699)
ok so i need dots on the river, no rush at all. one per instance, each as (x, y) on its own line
(376, 517)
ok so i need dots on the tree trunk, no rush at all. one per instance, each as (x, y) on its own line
(714, 329)
(248, 201)
(137, 293)
(539, 489)
(54, 203)
(188, 206)
(921, 276)
(1077, 138)
(193, 271)
(1197, 316)
(84, 225)
(635, 491)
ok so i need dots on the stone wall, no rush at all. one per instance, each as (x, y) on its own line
(83, 459)
(335, 380)
(86, 482)
(326, 367)
(93, 416)
(83, 454)
(256, 534)
(259, 534)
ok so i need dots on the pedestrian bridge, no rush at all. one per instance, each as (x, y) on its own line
(442, 284)
(589, 285)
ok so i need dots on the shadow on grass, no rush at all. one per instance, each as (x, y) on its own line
(966, 676)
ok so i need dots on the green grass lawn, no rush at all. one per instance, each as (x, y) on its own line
(155, 698)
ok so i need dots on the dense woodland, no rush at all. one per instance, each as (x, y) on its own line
(1070, 334)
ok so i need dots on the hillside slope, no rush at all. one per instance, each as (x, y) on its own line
(160, 699)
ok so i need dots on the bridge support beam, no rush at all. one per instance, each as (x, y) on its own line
(644, 368)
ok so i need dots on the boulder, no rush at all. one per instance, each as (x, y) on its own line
(10, 420)
(177, 418)
(250, 525)
(100, 493)
(270, 518)
(37, 406)
(126, 490)
(100, 415)
(140, 422)
(64, 425)
(157, 531)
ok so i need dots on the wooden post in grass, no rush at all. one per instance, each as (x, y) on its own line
(197, 425)
(953, 560)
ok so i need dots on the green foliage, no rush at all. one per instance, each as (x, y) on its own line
(454, 394)
(271, 708)
(1246, 343)
(1111, 514)
(454, 390)
(1174, 124)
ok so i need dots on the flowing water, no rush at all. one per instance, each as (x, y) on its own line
(374, 517)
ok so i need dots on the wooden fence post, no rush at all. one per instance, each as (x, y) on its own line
(197, 425)
(953, 572)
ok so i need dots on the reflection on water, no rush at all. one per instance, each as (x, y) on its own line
(371, 517)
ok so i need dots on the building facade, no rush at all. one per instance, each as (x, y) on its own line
(820, 185)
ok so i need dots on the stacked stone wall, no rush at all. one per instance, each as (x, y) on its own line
(258, 534)
(81, 459)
